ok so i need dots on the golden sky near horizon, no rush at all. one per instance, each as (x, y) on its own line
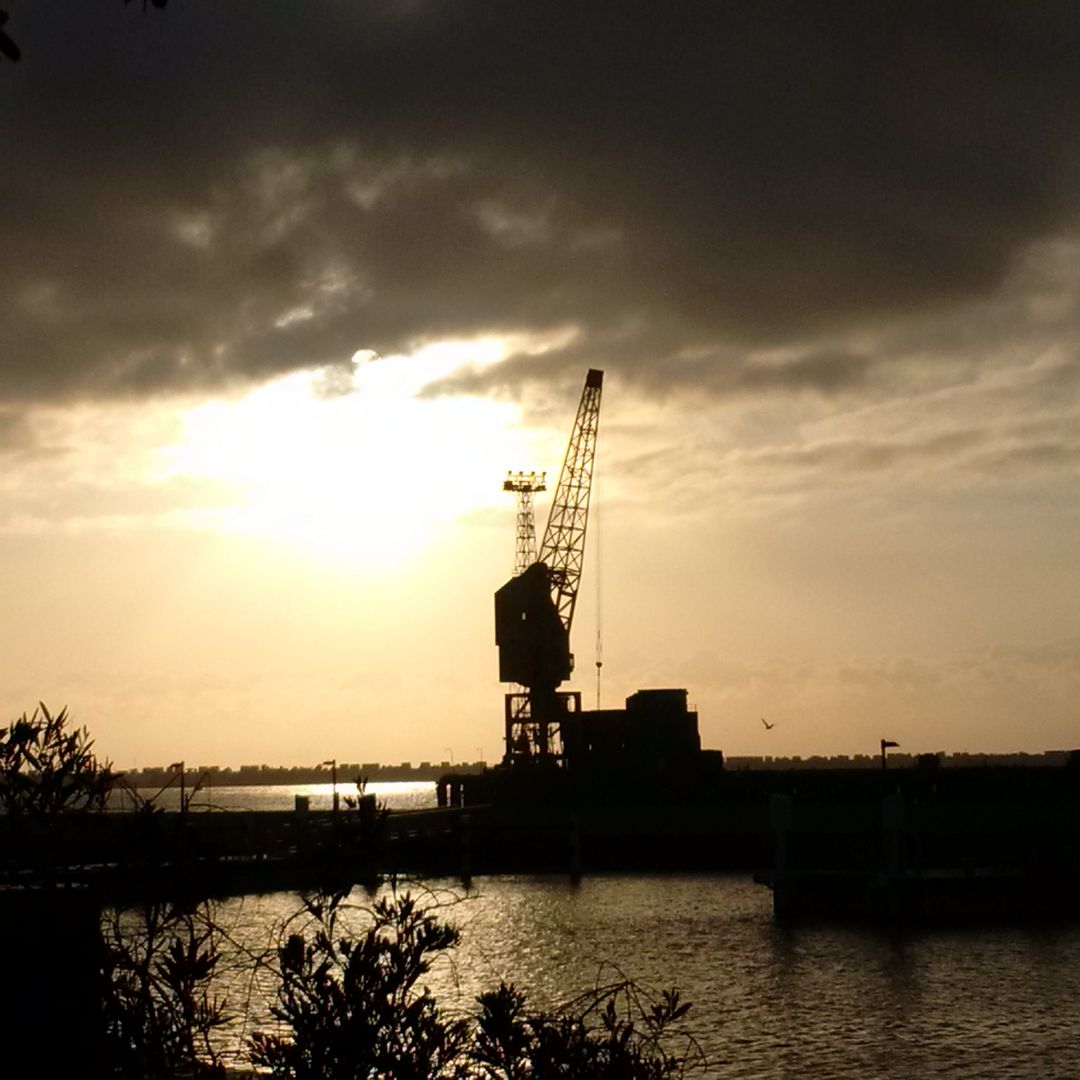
(276, 321)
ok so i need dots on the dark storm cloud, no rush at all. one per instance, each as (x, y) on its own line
(215, 193)
(719, 374)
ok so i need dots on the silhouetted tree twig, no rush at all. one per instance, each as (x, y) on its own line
(11, 51)
(47, 768)
(8, 48)
(160, 1008)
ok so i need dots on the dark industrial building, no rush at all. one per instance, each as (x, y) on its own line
(656, 729)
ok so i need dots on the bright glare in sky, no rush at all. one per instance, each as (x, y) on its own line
(366, 477)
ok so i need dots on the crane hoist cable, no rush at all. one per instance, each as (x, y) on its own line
(598, 558)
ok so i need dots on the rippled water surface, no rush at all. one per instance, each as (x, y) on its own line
(397, 795)
(816, 1001)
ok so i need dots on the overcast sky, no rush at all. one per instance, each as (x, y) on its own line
(286, 288)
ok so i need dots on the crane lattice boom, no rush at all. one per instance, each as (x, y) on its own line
(563, 546)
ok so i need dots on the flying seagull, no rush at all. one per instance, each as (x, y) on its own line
(768, 726)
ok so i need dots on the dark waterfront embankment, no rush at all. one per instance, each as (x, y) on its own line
(131, 857)
(899, 843)
(841, 839)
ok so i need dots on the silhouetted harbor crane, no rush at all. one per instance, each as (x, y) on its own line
(535, 609)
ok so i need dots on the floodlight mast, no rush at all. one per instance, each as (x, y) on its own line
(535, 609)
(524, 485)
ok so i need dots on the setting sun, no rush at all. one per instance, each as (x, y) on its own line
(362, 473)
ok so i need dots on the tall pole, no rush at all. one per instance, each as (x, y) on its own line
(885, 744)
(183, 801)
(333, 780)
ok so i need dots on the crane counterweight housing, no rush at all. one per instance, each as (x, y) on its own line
(534, 646)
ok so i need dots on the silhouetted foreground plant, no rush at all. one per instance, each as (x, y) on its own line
(612, 1032)
(46, 768)
(159, 1009)
(351, 1008)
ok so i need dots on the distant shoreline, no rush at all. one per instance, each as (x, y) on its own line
(349, 772)
(277, 775)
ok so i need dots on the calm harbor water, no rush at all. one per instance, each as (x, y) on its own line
(809, 1001)
(411, 795)
(812, 1001)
